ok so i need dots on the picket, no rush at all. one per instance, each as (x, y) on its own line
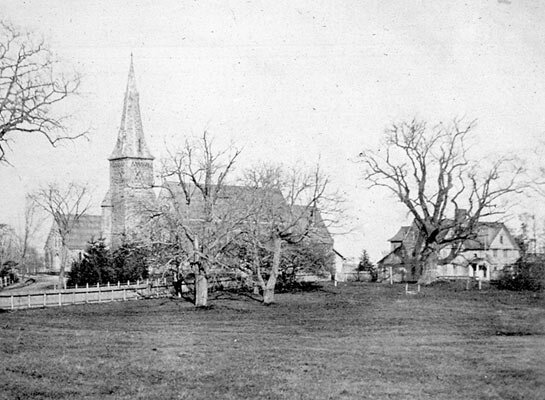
(75, 295)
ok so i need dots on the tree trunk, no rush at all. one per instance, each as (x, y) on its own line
(201, 290)
(268, 295)
(64, 261)
(268, 290)
(429, 269)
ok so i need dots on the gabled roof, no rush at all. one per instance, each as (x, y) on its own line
(318, 230)
(233, 199)
(86, 228)
(396, 256)
(486, 234)
(230, 198)
(107, 201)
(400, 235)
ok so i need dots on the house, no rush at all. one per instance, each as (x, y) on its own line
(485, 256)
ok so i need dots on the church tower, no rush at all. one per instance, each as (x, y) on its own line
(131, 174)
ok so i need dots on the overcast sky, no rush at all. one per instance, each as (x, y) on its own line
(289, 81)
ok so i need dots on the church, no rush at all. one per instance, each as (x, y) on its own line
(131, 188)
(130, 192)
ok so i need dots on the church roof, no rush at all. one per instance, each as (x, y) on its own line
(318, 230)
(130, 140)
(107, 201)
(86, 228)
(233, 198)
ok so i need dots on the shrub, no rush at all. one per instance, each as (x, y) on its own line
(129, 263)
(525, 275)
(100, 265)
(93, 268)
(8, 271)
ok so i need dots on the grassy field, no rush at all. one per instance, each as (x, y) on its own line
(355, 341)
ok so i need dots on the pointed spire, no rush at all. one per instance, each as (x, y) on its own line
(130, 139)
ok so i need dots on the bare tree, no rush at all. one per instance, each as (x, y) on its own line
(428, 169)
(66, 205)
(9, 245)
(32, 222)
(32, 84)
(285, 210)
(200, 213)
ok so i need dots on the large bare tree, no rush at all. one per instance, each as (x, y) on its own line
(429, 170)
(32, 85)
(200, 214)
(286, 209)
(66, 205)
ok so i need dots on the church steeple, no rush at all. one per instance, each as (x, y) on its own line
(130, 139)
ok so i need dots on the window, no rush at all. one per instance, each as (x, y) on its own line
(501, 239)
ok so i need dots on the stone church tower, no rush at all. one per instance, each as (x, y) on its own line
(131, 174)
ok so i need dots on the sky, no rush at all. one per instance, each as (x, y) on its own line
(290, 82)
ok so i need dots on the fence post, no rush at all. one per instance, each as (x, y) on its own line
(11, 301)
(118, 284)
(480, 284)
(391, 276)
(45, 299)
(76, 286)
(406, 288)
(137, 282)
(419, 288)
(108, 284)
(60, 299)
(467, 284)
(124, 294)
(29, 301)
(128, 283)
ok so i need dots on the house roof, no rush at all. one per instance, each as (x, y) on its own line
(400, 235)
(486, 234)
(395, 256)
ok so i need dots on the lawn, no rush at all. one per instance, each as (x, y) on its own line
(354, 341)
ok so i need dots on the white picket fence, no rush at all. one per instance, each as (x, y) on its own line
(85, 295)
(5, 282)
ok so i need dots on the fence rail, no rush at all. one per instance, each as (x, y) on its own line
(88, 294)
